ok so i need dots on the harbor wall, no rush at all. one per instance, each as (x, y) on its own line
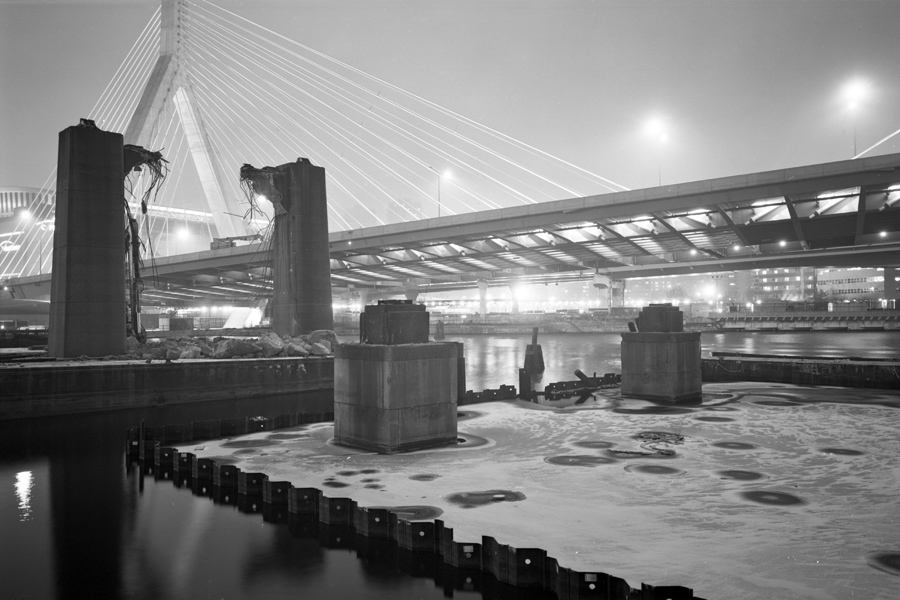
(803, 371)
(70, 387)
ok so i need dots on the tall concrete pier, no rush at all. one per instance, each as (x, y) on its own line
(301, 300)
(87, 294)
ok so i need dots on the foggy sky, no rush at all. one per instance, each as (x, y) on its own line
(743, 86)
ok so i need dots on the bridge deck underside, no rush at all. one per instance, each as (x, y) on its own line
(836, 214)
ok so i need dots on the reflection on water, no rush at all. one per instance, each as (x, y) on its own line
(73, 519)
(869, 344)
(24, 483)
(492, 361)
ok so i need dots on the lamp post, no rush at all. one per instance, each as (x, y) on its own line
(656, 129)
(445, 175)
(855, 92)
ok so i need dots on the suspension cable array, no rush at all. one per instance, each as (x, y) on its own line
(390, 155)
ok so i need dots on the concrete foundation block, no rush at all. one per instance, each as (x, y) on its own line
(395, 398)
(394, 323)
(662, 318)
(661, 366)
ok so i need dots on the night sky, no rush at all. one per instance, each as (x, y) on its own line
(740, 86)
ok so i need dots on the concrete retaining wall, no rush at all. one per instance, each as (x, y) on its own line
(422, 548)
(70, 387)
(812, 321)
(802, 371)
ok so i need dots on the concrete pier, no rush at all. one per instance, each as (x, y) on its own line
(87, 297)
(395, 398)
(661, 362)
(301, 300)
(396, 391)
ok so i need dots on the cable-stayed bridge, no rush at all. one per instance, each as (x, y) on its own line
(421, 197)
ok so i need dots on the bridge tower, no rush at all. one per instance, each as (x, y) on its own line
(170, 82)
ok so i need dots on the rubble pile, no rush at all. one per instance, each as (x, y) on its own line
(317, 343)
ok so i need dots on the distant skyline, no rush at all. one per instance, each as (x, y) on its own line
(739, 86)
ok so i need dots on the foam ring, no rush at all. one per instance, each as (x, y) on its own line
(772, 498)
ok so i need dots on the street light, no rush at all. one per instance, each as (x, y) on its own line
(26, 215)
(183, 234)
(448, 175)
(855, 92)
(656, 128)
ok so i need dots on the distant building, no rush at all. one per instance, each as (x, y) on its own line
(851, 284)
(715, 289)
(13, 199)
(793, 284)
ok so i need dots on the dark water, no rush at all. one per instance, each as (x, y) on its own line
(77, 522)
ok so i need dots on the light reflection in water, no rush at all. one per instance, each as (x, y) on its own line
(24, 485)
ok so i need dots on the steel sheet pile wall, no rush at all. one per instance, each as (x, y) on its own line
(422, 548)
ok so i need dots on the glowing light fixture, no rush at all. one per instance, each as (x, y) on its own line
(24, 486)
